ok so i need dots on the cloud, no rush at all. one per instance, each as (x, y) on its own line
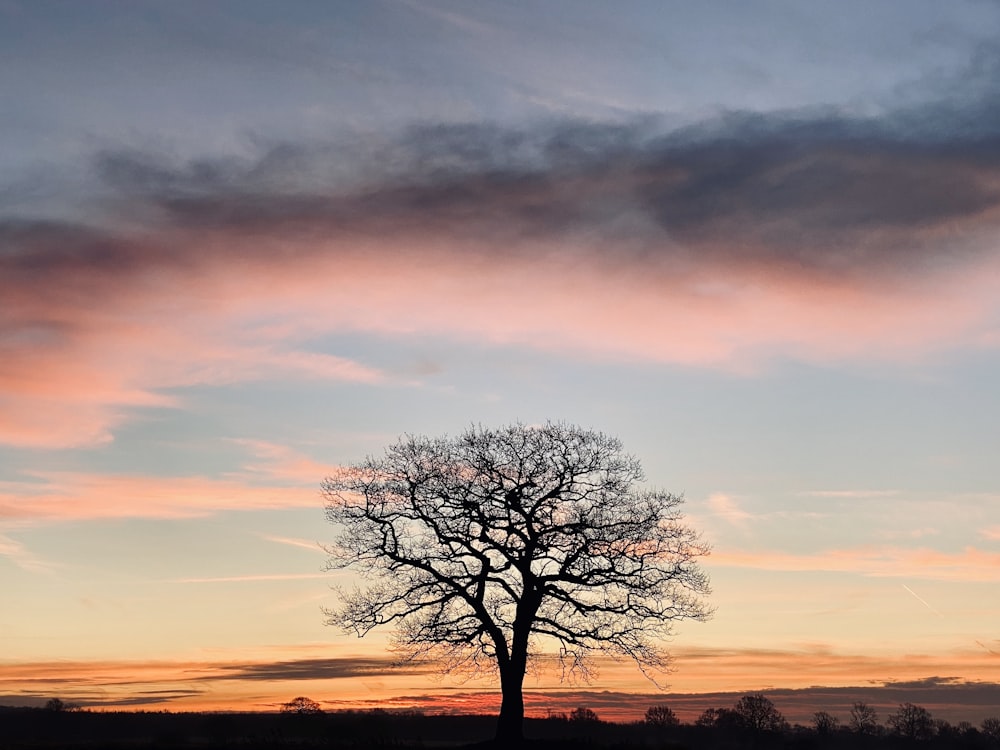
(280, 463)
(718, 677)
(253, 578)
(814, 193)
(196, 685)
(992, 533)
(727, 508)
(970, 564)
(18, 554)
(852, 494)
(812, 236)
(311, 545)
(275, 476)
(69, 496)
(318, 669)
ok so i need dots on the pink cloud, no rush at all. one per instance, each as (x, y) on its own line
(279, 463)
(274, 476)
(66, 496)
(236, 307)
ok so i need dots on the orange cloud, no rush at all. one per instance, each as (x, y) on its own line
(704, 678)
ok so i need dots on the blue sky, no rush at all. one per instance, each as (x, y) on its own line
(242, 244)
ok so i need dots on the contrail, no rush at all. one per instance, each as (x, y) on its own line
(922, 601)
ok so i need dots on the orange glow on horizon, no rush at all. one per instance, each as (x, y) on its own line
(619, 692)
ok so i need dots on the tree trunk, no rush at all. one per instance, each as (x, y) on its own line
(510, 724)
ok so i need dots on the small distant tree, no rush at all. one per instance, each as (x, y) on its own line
(946, 732)
(991, 728)
(301, 705)
(966, 729)
(661, 716)
(55, 704)
(708, 718)
(864, 719)
(724, 719)
(759, 714)
(825, 723)
(913, 722)
(585, 715)
(491, 548)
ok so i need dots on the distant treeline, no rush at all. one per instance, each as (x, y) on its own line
(753, 723)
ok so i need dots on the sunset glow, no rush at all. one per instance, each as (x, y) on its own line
(247, 243)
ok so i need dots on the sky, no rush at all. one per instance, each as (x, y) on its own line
(245, 243)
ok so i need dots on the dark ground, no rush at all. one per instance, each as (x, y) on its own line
(36, 729)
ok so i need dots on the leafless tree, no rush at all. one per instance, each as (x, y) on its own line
(825, 722)
(991, 727)
(584, 715)
(301, 705)
(913, 722)
(661, 716)
(498, 546)
(864, 720)
(759, 714)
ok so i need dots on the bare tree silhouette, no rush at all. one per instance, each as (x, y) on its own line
(991, 728)
(825, 722)
(913, 722)
(661, 716)
(864, 719)
(301, 705)
(491, 548)
(758, 713)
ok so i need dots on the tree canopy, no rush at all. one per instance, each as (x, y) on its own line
(489, 549)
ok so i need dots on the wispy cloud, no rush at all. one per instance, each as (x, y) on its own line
(67, 496)
(312, 546)
(253, 578)
(23, 558)
(852, 494)
(728, 508)
(273, 476)
(280, 463)
(970, 564)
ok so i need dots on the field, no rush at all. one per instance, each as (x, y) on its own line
(21, 729)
